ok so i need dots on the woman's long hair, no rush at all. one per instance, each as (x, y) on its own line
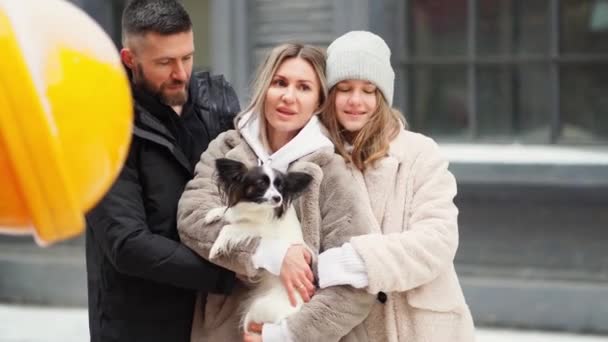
(372, 142)
(315, 56)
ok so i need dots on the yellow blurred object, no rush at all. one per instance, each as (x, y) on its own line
(65, 117)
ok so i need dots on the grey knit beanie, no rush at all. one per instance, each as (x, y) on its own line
(361, 55)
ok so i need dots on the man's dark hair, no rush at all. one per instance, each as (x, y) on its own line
(159, 16)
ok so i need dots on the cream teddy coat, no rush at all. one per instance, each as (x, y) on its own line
(410, 256)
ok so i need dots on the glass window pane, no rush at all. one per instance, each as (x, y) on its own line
(513, 103)
(584, 26)
(584, 104)
(401, 99)
(438, 27)
(495, 101)
(439, 101)
(513, 27)
(534, 104)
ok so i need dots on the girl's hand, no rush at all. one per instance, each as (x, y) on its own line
(252, 338)
(255, 333)
(296, 274)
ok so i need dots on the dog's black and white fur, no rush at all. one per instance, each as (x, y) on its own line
(259, 205)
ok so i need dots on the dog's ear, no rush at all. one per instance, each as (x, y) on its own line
(229, 171)
(296, 183)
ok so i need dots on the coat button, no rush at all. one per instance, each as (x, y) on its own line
(381, 297)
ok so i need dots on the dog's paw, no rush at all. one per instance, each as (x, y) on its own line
(215, 251)
(215, 214)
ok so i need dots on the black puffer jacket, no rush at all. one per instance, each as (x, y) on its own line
(142, 281)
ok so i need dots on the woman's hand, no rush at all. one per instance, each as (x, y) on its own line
(255, 333)
(296, 274)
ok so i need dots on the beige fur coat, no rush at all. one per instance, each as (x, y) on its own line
(330, 211)
(411, 255)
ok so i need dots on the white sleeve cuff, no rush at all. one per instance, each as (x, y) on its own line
(276, 332)
(270, 255)
(342, 266)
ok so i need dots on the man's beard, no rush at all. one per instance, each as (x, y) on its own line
(175, 99)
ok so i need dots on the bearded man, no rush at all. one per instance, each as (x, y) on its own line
(142, 281)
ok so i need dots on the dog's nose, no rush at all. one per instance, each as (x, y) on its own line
(276, 199)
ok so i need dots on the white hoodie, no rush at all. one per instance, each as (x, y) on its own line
(311, 138)
(270, 253)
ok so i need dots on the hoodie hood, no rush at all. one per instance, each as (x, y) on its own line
(311, 138)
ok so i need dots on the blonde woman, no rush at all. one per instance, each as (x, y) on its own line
(280, 129)
(408, 260)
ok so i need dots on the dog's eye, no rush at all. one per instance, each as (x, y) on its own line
(250, 190)
(278, 183)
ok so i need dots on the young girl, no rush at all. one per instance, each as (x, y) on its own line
(280, 129)
(408, 260)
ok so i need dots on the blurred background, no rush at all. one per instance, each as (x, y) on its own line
(515, 92)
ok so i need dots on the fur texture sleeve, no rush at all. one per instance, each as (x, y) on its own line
(201, 195)
(406, 260)
(333, 312)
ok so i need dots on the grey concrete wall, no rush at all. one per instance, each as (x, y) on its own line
(531, 256)
(532, 248)
(54, 275)
(200, 15)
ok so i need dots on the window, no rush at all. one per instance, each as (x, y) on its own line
(506, 70)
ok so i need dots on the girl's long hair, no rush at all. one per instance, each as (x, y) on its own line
(372, 142)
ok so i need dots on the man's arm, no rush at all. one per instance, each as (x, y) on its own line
(231, 106)
(222, 104)
(118, 225)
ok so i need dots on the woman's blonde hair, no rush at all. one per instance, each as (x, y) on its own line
(371, 143)
(315, 56)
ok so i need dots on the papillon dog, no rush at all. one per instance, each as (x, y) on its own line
(259, 204)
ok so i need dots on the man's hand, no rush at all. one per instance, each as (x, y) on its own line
(296, 274)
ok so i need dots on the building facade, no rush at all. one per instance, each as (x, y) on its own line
(515, 92)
